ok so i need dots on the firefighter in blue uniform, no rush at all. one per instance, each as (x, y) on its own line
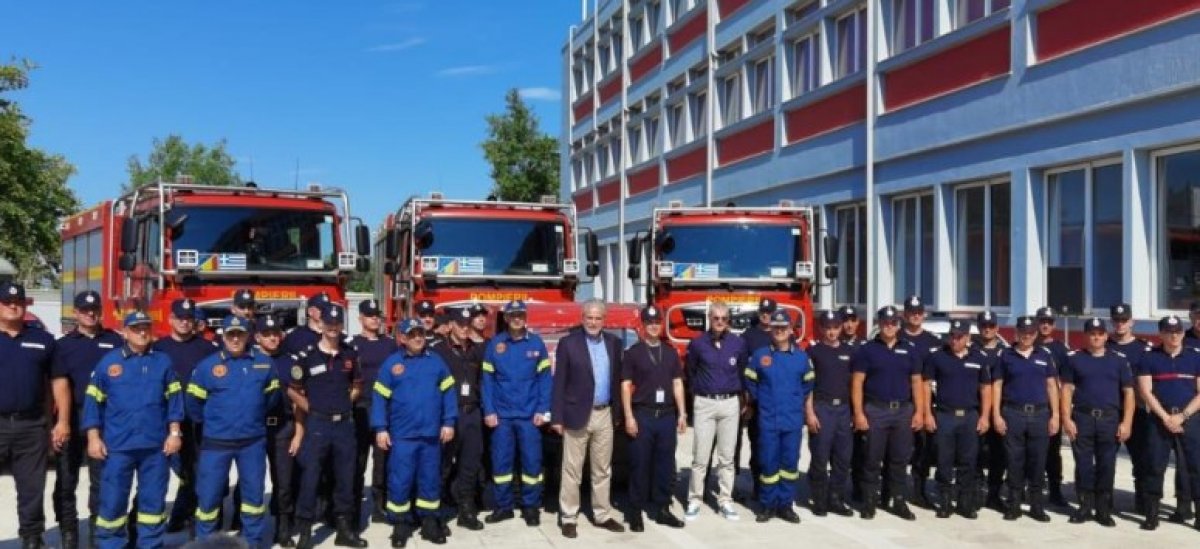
(778, 378)
(462, 459)
(326, 381)
(516, 402)
(1122, 340)
(302, 337)
(886, 394)
(1168, 379)
(924, 443)
(373, 348)
(957, 416)
(858, 455)
(1059, 350)
(186, 349)
(284, 433)
(1097, 412)
(1025, 412)
(756, 337)
(992, 456)
(413, 413)
(830, 422)
(26, 355)
(75, 358)
(653, 402)
(231, 393)
(132, 416)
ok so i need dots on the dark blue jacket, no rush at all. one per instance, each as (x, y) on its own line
(575, 384)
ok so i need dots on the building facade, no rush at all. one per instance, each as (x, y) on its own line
(975, 152)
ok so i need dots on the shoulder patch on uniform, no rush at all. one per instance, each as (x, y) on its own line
(501, 347)
(398, 369)
(220, 370)
(115, 370)
(765, 361)
(297, 373)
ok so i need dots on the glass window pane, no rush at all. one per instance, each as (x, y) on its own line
(860, 272)
(927, 23)
(860, 49)
(1179, 196)
(970, 259)
(926, 243)
(1066, 224)
(846, 42)
(1107, 245)
(905, 15)
(998, 5)
(1001, 265)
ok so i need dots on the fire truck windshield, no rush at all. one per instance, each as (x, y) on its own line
(483, 247)
(229, 238)
(731, 250)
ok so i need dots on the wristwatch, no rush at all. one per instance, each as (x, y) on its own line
(176, 434)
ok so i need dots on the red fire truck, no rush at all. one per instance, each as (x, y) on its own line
(736, 255)
(462, 252)
(167, 241)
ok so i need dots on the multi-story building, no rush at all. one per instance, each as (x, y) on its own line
(965, 150)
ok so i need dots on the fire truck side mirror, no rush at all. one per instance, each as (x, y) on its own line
(830, 243)
(362, 264)
(127, 262)
(128, 236)
(389, 267)
(592, 244)
(363, 240)
(392, 244)
(635, 258)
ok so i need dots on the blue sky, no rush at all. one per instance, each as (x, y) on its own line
(383, 99)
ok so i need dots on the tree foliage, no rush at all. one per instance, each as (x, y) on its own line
(171, 157)
(33, 184)
(525, 162)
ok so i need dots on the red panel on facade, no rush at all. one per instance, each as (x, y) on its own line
(643, 180)
(688, 32)
(582, 108)
(686, 165)
(751, 141)
(958, 67)
(833, 112)
(583, 200)
(1077, 24)
(727, 7)
(649, 61)
(608, 191)
(610, 90)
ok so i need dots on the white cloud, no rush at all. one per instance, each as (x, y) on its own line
(397, 46)
(540, 93)
(468, 70)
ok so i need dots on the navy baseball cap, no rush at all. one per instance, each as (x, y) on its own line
(136, 318)
(1045, 313)
(369, 307)
(959, 327)
(985, 319)
(514, 306)
(914, 304)
(1026, 324)
(1170, 324)
(459, 315)
(319, 300)
(425, 307)
(11, 291)
(651, 315)
(267, 323)
(781, 318)
(828, 318)
(767, 305)
(848, 312)
(88, 300)
(233, 323)
(243, 298)
(1120, 311)
(184, 309)
(441, 319)
(887, 313)
(333, 314)
(410, 325)
(1094, 324)
(478, 309)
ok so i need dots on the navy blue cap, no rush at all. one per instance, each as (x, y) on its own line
(959, 327)
(136, 318)
(1094, 324)
(89, 300)
(243, 298)
(514, 306)
(914, 304)
(1120, 311)
(233, 323)
(442, 318)
(267, 323)
(1045, 313)
(651, 314)
(369, 307)
(411, 324)
(333, 314)
(848, 312)
(1170, 324)
(828, 318)
(459, 315)
(319, 300)
(887, 313)
(11, 291)
(767, 305)
(184, 309)
(425, 307)
(1026, 324)
(478, 309)
(781, 318)
(985, 319)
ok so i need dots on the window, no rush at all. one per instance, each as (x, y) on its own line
(577, 78)
(763, 85)
(851, 284)
(615, 147)
(235, 238)
(731, 100)
(804, 65)
(969, 11)
(605, 59)
(698, 109)
(759, 37)
(589, 163)
(678, 124)
(801, 10)
(577, 174)
(653, 16)
(636, 32)
(635, 143)
(1179, 212)
(676, 85)
(653, 145)
(618, 47)
(1084, 228)
(982, 249)
(912, 246)
(851, 43)
(602, 160)
(912, 23)
(679, 8)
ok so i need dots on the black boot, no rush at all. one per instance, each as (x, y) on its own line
(968, 504)
(1012, 508)
(1151, 521)
(346, 535)
(1056, 496)
(69, 537)
(837, 505)
(1183, 512)
(900, 509)
(305, 541)
(764, 515)
(919, 497)
(994, 501)
(431, 531)
(378, 510)
(1104, 509)
(283, 531)
(532, 516)
(1037, 507)
(499, 516)
(467, 517)
(634, 518)
(665, 518)
(177, 523)
(1086, 503)
(788, 514)
(32, 542)
(870, 500)
(820, 500)
(401, 531)
(943, 504)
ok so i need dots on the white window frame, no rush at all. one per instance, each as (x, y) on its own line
(762, 100)
(958, 243)
(858, 58)
(840, 292)
(677, 123)
(731, 98)
(1158, 259)
(960, 11)
(679, 8)
(1051, 227)
(654, 19)
(698, 113)
(635, 143)
(897, 243)
(651, 127)
(898, 23)
(813, 68)
(637, 31)
(603, 160)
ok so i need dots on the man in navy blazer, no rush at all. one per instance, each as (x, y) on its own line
(586, 386)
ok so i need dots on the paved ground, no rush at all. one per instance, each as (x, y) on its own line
(710, 530)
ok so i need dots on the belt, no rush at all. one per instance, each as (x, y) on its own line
(656, 411)
(1095, 412)
(957, 412)
(598, 407)
(830, 401)
(26, 415)
(468, 408)
(889, 404)
(1027, 408)
(718, 396)
(336, 418)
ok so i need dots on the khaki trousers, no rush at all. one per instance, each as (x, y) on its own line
(595, 440)
(716, 421)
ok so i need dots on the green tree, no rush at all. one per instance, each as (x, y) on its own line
(524, 160)
(207, 165)
(34, 186)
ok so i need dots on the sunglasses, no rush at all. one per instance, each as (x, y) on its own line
(715, 318)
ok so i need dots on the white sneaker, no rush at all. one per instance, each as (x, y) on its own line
(729, 512)
(693, 511)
